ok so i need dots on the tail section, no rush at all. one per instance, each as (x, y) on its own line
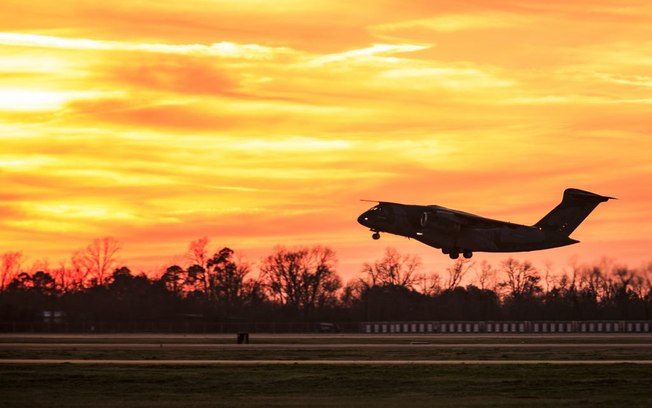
(573, 209)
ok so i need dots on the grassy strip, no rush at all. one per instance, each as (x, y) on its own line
(272, 386)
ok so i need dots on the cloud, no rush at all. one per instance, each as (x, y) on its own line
(222, 49)
(454, 22)
(163, 122)
(176, 74)
(365, 53)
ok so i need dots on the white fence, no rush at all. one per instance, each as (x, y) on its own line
(590, 326)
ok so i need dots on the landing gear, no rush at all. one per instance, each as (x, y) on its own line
(454, 253)
(375, 235)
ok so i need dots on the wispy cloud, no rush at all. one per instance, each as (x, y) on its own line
(455, 22)
(223, 49)
(161, 122)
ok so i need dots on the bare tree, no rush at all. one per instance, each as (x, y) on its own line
(624, 280)
(548, 277)
(351, 293)
(593, 282)
(63, 276)
(394, 269)
(42, 265)
(646, 274)
(301, 278)
(78, 271)
(522, 278)
(639, 285)
(198, 255)
(486, 276)
(429, 284)
(99, 258)
(10, 263)
(457, 271)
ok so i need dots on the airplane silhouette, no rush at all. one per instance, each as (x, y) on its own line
(457, 232)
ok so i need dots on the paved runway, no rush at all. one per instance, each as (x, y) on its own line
(325, 336)
(321, 346)
(271, 342)
(324, 362)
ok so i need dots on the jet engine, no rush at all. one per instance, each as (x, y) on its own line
(440, 220)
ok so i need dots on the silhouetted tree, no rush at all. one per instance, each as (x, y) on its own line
(10, 263)
(352, 293)
(302, 278)
(302, 282)
(523, 290)
(21, 282)
(522, 279)
(199, 256)
(196, 279)
(457, 271)
(173, 279)
(226, 278)
(393, 270)
(428, 284)
(43, 283)
(486, 276)
(470, 303)
(98, 258)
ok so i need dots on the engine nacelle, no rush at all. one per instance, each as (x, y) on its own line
(440, 220)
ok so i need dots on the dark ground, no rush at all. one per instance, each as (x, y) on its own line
(265, 385)
(324, 386)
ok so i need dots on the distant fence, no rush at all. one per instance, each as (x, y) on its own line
(591, 326)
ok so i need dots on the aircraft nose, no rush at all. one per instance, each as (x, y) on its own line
(363, 219)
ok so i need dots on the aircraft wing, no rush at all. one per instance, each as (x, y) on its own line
(435, 215)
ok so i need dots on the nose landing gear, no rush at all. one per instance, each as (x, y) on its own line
(375, 235)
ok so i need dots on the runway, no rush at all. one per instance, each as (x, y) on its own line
(317, 346)
(321, 362)
(324, 336)
(325, 349)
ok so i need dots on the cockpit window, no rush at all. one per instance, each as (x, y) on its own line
(383, 212)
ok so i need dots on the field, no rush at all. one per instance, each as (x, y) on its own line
(359, 372)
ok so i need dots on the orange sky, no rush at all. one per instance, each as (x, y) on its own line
(260, 123)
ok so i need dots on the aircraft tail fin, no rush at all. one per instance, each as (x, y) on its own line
(575, 206)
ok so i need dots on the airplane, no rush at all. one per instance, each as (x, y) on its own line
(456, 232)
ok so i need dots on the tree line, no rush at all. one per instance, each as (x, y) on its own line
(301, 284)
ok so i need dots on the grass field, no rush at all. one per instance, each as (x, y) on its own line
(470, 385)
(324, 386)
(453, 353)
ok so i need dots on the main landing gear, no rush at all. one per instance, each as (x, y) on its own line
(375, 235)
(455, 253)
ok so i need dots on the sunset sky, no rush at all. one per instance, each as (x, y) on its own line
(259, 123)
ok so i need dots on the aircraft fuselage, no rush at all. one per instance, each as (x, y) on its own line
(458, 232)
